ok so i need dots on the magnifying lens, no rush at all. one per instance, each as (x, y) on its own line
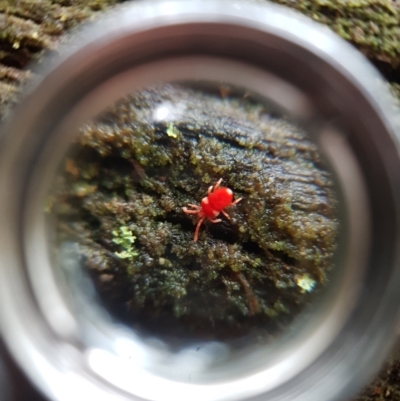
(200, 201)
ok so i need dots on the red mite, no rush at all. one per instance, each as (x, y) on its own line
(212, 205)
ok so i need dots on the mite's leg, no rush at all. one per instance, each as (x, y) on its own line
(225, 214)
(196, 209)
(216, 186)
(236, 202)
(196, 233)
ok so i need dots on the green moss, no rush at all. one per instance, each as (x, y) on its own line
(28, 30)
(371, 25)
(386, 386)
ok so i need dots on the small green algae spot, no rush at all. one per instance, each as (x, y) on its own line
(82, 189)
(125, 238)
(306, 283)
(172, 131)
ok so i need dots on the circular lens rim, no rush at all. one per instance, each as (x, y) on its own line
(247, 22)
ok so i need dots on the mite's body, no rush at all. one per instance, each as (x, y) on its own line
(212, 205)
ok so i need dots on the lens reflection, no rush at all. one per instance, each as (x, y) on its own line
(128, 198)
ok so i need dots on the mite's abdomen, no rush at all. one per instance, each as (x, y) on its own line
(220, 199)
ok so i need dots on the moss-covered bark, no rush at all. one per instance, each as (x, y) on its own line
(386, 386)
(131, 176)
(373, 26)
(28, 28)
